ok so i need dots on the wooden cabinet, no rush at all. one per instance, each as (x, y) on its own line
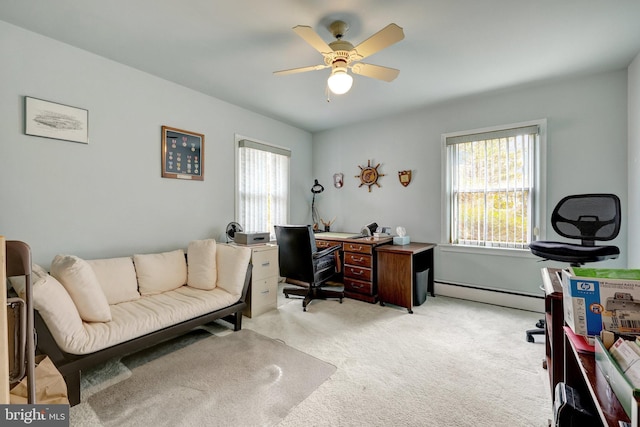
(554, 322)
(358, 271)
(398, 268)
(358, 262)
(263, 290)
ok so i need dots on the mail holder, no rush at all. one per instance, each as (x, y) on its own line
(628, 395)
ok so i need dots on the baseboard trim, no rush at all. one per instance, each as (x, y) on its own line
(491, 296)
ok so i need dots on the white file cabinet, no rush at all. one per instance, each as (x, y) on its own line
(262, 295)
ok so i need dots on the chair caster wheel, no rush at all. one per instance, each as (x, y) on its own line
(530, 338)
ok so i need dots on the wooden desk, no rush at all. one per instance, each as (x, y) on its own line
(359, 259)
(398, 266)
(582, 374)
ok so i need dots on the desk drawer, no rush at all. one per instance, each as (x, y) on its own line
(358, 286)
(357, 247)
(357, 259)
(263, 296)
(265, 263)
(323, 244)
(264, 292)
(357, 273)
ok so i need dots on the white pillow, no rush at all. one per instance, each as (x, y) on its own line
(78, 278)
(58, 311)
(161, 272)
(117, 278)
(201, 264)
(232, 267)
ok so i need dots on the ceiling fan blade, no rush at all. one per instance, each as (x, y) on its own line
(375, 71)
(384, 38)
(300, 70)
(311, 37)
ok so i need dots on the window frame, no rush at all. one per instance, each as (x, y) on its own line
(538, 220)
(274, 149)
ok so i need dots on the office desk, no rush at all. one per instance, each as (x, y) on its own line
(398, 268)
(359, 262)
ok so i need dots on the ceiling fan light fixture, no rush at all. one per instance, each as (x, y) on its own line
(339, 81)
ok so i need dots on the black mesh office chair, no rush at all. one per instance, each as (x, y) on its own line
(589, 218)
(301, 264)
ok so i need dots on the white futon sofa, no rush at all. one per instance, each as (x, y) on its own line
(88, 311)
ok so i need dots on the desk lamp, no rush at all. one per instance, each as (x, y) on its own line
(317, 188)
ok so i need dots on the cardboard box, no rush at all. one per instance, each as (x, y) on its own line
(596, 299)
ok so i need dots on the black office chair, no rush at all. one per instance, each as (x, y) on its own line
(301, 264)
(588, 217)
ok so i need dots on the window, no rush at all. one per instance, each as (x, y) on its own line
(493, 186)
(262, 186)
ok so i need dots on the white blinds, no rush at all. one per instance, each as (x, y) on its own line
(263, 186)
(492, 187)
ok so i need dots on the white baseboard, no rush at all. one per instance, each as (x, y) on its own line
(489, 296)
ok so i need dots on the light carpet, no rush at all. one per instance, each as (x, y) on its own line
(451, 363)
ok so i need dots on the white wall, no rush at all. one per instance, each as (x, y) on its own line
(107, 198)
(586, 148)
(633, 211)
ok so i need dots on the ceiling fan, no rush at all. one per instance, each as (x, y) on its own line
(341, 55)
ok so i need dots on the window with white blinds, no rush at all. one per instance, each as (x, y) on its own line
(492, 179)
(262, 186)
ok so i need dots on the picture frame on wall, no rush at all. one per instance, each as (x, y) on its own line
(182, 154)
(53, 120)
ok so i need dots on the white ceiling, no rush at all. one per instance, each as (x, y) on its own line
(452, 48)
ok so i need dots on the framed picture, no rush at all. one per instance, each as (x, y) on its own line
(182, 154)
(57, 121)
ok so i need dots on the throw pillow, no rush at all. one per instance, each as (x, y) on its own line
(160, 272)
(117, 278)
(80, 281)
(58, 310)
(232, 268)
(201, 264)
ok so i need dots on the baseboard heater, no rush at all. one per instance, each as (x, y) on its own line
(500, 297)
(481, 288)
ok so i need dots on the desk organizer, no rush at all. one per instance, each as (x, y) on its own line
(626, 393)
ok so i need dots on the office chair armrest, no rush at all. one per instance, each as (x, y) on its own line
(326, 251)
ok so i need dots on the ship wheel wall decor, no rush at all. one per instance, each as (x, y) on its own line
(369, 175)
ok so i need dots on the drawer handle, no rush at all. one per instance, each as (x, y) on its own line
(265, 264)
(265, 292)
(356, 272)
(358, 259)
(359, 248)
(357, 286)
